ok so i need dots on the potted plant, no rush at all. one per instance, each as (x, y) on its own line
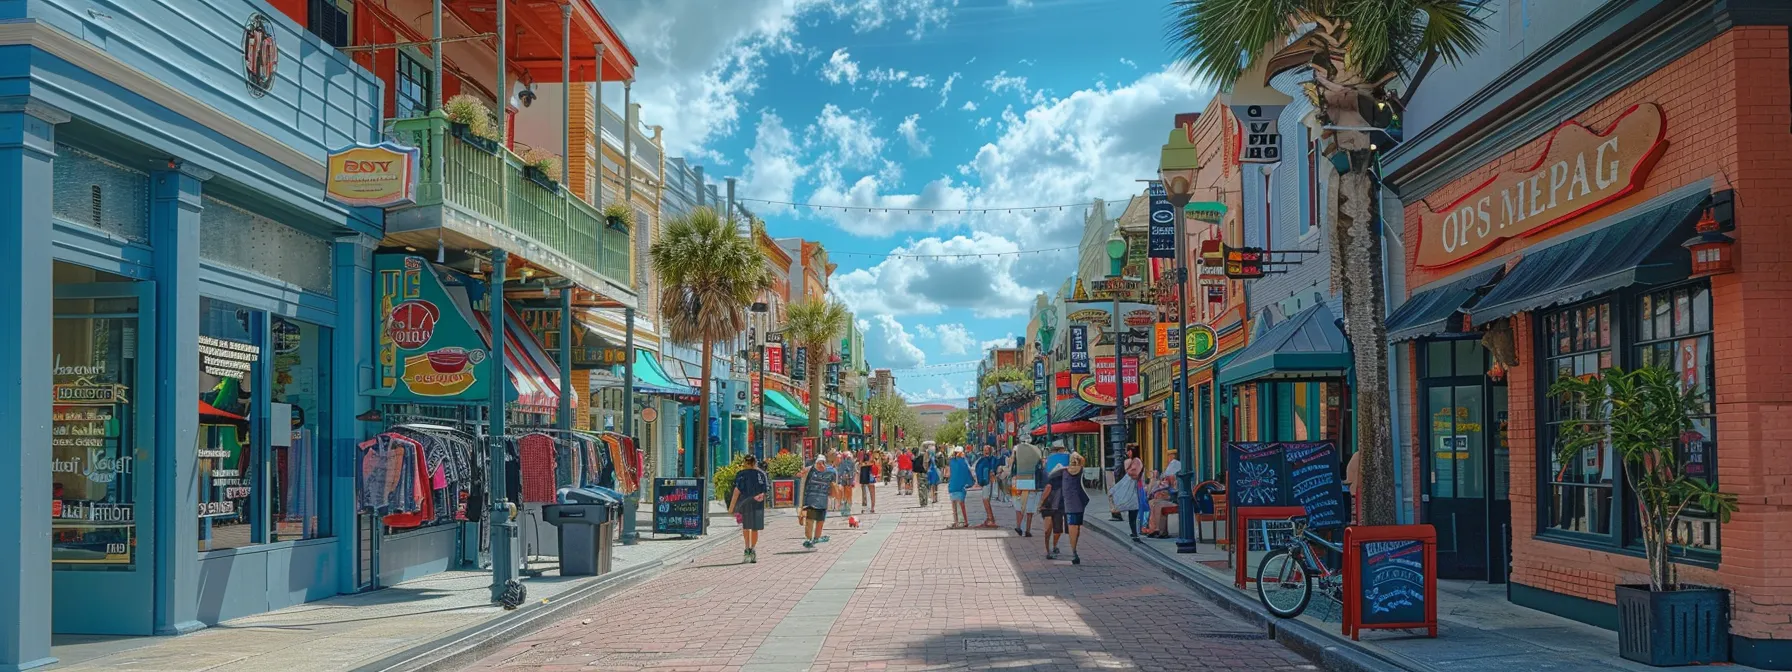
(1644, 414)
(619, 217)
(782, 468)
(471, 121)
(540, 167)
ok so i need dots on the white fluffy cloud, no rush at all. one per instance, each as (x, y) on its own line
(920, 82)
(774, 164)
(846, 140)
(943, 390)
(969, 106)
(888, 343)
(840, 68)
(974, 278)
(1007, 341)
(910, 130)
(946, 90)
(869, 15)
(954, 338)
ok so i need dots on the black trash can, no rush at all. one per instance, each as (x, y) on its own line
(584, 519)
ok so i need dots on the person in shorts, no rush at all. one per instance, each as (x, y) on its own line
(818, 486)
(868, 466)
(847, 470)
(921, 489)
(748, 505)
(958, 487)
(905, 471)
(1064, 489)
(1025, 469)
(985, 471)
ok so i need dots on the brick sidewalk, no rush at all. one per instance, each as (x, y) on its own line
(904, 593)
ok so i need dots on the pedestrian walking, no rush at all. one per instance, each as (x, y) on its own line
(986, 478)
(919, 460)
(1027, 468)
(748, 505)
(959, 487)
(905, 471)
(848, 470)
(1124, 498)
(818, 485)
(868, 467)
(933, 478)
(1064, 488)
(1131, 465)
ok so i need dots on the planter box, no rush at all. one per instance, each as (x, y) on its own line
(541, 179)
(615, 223)
(465, 134)
(1681, 627)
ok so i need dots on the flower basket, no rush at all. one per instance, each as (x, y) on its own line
(541, 179)
(465, 134)
(618, 217)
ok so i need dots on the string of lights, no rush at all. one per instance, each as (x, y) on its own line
(824, 207)
(965, 255)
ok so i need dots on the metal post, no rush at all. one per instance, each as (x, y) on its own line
(763, 439)
(628, 144)
(730, 213)
(566, 95)
(597, 195)
(1185, 501)
(437, 162)
(503, 91)
(503, 530)
(566, 327)
(1122, 432)
(632, 501)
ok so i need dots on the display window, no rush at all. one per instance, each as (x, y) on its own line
(96, 449)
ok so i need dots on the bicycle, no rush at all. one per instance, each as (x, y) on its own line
(1285, 576)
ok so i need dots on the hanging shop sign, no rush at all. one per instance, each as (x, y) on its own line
(774, 357)
(799, 366)
(1088, 316)
(1580, 169)
(1135, 342)
(428, 347)
(1168, 339)
(374, 176)
(1244, 263)
(1038, 376)
(261, 54)
(1216, 291)
(590, 350)
(1079, 348)
(1139, 317)
(1262, 136)
(1162, 232)
(833, 381)
(1099, 388)
(1207, 212)
(1125, 289)
(1200, 343)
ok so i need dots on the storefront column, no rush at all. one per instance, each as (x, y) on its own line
(352, 369)
(27, 152)
(174, 225)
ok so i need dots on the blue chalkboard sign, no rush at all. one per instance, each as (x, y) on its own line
(1393, 582)
(1305, 474)
(678, 506)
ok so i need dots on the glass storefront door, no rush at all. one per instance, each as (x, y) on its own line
(1465, 460)
(102, 465)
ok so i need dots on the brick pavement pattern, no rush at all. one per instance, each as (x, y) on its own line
(931, 598)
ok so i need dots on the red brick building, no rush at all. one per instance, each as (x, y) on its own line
(1544, 229)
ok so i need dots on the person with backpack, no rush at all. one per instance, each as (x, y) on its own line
(921, 489)
(748, 505)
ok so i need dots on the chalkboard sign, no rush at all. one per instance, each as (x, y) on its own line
(1288, 474)
(1390, 578)
(678, 506)
(1314, 484)
(1254, 474)
(1393, 589)
(783, 493)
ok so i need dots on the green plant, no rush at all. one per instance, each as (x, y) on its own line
(543, 161)
(1354, 50)
(1645, 415)
(952, 431)
(816, 323)
(709, 273)
(724, 478)
(468, 110)
(783, 465)
(1006, 374)
(619, 216)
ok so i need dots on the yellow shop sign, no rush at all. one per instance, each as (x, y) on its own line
(375, 176)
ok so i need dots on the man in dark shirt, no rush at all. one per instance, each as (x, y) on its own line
(922, 489)
(818, 486)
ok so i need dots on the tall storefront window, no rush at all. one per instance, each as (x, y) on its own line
(229, 359)
(1673, 330)
(96, 449)
(1577, 341)
(299, 484)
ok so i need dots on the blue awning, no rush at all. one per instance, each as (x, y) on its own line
(651, 378)
(1433, 310)
(1644, 249)
(1308, 345)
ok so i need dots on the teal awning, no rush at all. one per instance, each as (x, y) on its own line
(852, 425)
(1644, 249)
(1308, 345)
(781, 404)
(651, 378)
(1431, 311)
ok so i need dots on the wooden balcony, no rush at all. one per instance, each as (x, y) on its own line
(484, 198)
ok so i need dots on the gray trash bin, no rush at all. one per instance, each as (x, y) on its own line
(585, 520)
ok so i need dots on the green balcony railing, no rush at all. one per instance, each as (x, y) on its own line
(482, 177)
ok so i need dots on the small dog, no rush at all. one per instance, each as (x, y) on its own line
(852, 522)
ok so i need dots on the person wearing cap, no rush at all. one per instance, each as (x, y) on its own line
(818, 486)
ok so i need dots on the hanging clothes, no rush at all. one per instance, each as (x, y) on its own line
(539, 471)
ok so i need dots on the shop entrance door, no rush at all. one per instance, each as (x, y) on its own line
(103, 454)
(1465, 462)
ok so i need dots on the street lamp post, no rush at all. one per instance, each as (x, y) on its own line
(1047, 329)
(1178, 187)
(763, 336)
(1116, 248)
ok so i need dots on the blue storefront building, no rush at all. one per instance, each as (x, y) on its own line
(183, 354)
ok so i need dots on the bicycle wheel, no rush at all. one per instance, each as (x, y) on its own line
(1283, 584)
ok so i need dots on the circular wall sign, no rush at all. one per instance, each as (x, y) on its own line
(649, 415)
(1200, 343)
(261, 55)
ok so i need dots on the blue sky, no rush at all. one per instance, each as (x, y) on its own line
(942, 104)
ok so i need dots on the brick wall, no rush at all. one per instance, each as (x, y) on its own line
(1728, 108)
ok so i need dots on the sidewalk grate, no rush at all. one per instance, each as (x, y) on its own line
(994, 645)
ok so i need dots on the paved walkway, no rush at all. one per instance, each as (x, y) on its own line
(903, 592)
(1478, 629)
(350, 631)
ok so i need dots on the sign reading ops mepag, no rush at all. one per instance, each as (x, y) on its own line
(1162, 238)
(1579, 169)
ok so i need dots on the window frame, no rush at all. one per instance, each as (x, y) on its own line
(1625, 349)
(314, 18)
(400, 77)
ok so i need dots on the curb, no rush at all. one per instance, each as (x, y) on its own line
(459, 649)
(1330, 652)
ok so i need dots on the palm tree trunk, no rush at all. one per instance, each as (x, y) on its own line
(703, 410)
(815, 367)
(1358, 249)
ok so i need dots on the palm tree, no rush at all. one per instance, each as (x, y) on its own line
(815, 324)
(1355, 50)
(709, 273)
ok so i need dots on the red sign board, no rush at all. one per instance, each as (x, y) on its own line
(1104, 376)
(774, 357)
(1250, 535)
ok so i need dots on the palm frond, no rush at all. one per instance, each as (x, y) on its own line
(1216, 40)
(709, 274)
